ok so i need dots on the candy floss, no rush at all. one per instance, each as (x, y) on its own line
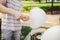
(52, 33)
(37, 17)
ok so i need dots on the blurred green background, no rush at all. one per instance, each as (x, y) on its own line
(44, 4)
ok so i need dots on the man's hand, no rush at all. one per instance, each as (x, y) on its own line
(23, 17)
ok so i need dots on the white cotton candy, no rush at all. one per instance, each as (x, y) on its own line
(52, 33)
(37, 17)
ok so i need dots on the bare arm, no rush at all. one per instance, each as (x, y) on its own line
(5, 10)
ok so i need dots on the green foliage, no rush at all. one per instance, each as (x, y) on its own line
(28, 8)
(45, 6)
(25, 30)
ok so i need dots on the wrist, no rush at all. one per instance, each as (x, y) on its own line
(18, 15)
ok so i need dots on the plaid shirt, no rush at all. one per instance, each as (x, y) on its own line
(9, 22)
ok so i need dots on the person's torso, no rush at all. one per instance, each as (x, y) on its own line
(8, 20)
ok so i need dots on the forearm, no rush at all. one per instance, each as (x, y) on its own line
(5, 10)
